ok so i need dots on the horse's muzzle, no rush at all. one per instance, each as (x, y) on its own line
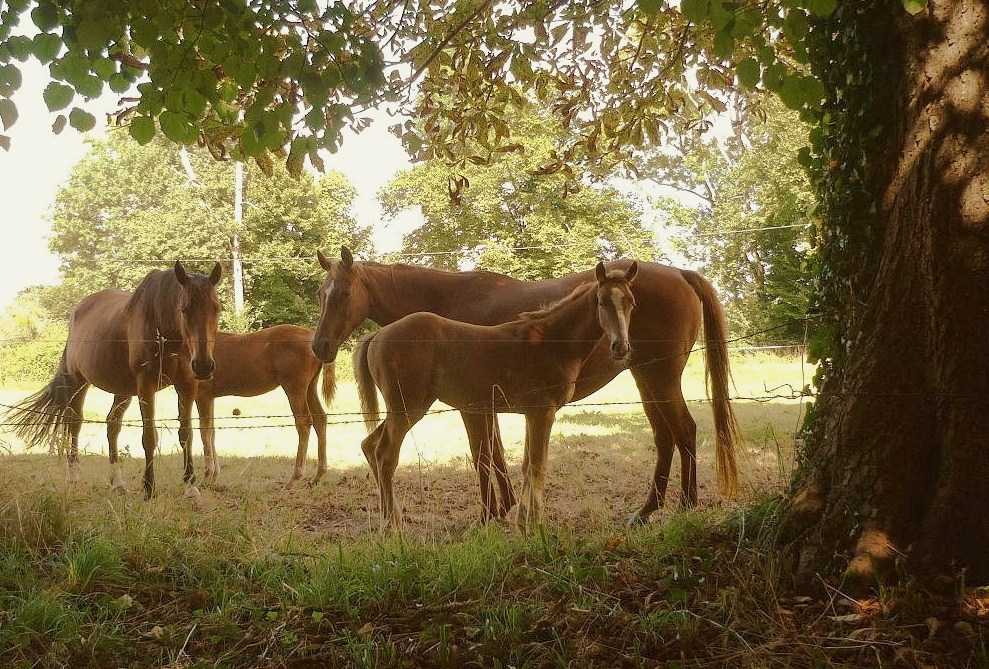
(322, 349)
(620, 349)
(203, 369)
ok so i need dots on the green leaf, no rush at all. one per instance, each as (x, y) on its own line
(914, 6)
(105, 68)
(250, 143)
(45, 16)
(177, 128)
(119, 83)
(59, 125)
(812, 89)
(57, 96)
(10, 80)
(746, 23)
(649, 6)
(747, 72)
(822, 7)
(724, 44)
(773, 76)
(46, 47)
(791, 93)
(721, 17)
(8, 112)
(694, 10)
(81, 120)
(5, 142)
(20, 47)
(142, 129)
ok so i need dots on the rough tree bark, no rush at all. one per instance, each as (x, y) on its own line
(895, 476)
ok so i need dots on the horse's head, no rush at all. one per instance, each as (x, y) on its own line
(199, 315)
(615, 302)
(344, 303)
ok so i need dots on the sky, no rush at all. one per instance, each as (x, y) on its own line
(40, 161)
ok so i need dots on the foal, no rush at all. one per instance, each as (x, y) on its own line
(528, 366)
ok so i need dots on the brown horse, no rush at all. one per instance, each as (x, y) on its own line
(253, 364)
(671, 304)
(528, 366)
(129, 344)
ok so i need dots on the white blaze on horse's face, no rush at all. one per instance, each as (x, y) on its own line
(615, 304)
(343, 306)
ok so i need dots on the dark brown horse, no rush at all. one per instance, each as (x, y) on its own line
(129, 344)
(528, 366)
(253, 364)
(671, 305)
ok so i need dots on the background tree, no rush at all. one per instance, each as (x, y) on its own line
(749, 228)
(129, 208)
(505, 214)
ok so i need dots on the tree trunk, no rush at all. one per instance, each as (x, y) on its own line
(895, 474)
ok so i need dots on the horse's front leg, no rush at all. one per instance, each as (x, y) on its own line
(488, 456)
(114, 421)
(185, 435)
(149, 435)
(538, 425)
(318, 416)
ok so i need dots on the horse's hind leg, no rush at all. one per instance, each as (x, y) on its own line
(114, 421)
(207, 432)
(303, 422)
(672, 425)
(186, 399)
(73, 420)
(386, 453)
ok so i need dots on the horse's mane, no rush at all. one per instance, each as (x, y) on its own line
(156, 300)
(576, 294)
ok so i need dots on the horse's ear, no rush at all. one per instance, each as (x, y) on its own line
(632, 270)
(347, 257)
(324, 262)
(215, 275)
(600, 273)
(180, 273)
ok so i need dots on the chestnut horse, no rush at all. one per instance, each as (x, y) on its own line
(528, 366)
(129, 344)
(671, 305)
(253, 364)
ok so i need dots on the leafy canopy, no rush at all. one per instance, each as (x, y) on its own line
(280, 78)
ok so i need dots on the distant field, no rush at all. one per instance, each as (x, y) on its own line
(601, 452)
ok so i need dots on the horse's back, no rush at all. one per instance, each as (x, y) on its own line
(257, 362)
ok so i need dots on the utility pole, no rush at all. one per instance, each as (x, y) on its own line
(238, 264)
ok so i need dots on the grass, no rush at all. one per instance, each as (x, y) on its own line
(264, 577)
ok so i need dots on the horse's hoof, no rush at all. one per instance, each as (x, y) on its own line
(637, 520)
(192, 492)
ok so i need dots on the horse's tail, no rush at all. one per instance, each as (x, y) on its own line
(43, 418)
(365, 384)
(329, 387)
(717, 375)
